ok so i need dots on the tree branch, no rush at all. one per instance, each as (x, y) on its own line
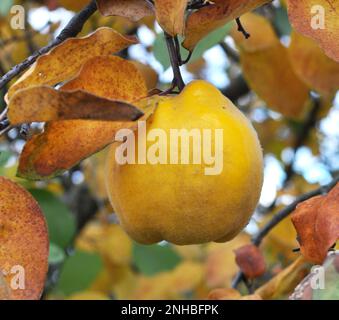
(72, 29)
(303, 136)
(278, 217)
(174, 58)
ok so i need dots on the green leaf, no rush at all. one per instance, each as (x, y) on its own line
(79, 272)
(281, 21)
(161, 53)
(152, 259)
(5, 6)
(4, 157)
(60, 221)
(56, 254)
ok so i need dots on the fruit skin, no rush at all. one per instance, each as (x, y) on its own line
(177, 202)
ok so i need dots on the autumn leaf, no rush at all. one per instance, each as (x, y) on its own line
(250, 261)
(132, 9)
(65, 143)
(285, 281)
(24, 243)
(170, 14)
(317, 19)
(42, 104)
(310, 63)
(268, 69)
(149, 74)
(64, 61)
(317, 223)
(203, 21)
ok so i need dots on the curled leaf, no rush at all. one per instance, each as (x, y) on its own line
(24, 244)
(317, 223)
(203, 21)
(317, 19)
(42, 104)
(170, 14)
(64, 61)
(132, 9)
(250, 261)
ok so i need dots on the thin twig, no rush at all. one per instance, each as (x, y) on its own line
(242, 29)
(174, 61)
(72, 29)
(278, 217)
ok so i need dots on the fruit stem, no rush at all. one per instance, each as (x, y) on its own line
(173, 54)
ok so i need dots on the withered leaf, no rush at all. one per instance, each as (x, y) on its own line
(64, 61)
(43, 104)
(24, 243)
(317, 223)
(250, 261)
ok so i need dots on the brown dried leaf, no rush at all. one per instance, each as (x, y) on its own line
(317, 19)
(316, 69)
(285, 281)
(203, 21)
(170, 14)
(43, 104)
(24, 243)
(317, 223)
(250, 261)
(64, 61)
(132, 9)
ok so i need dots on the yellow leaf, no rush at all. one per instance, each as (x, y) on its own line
(268, 70)
(317, 19)
(149, 74)
(24, 243)
(65, 60)
(170, 14)
(285, 281)
(316, 69)
(203, 21)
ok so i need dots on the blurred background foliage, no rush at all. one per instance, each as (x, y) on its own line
(90, 255)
